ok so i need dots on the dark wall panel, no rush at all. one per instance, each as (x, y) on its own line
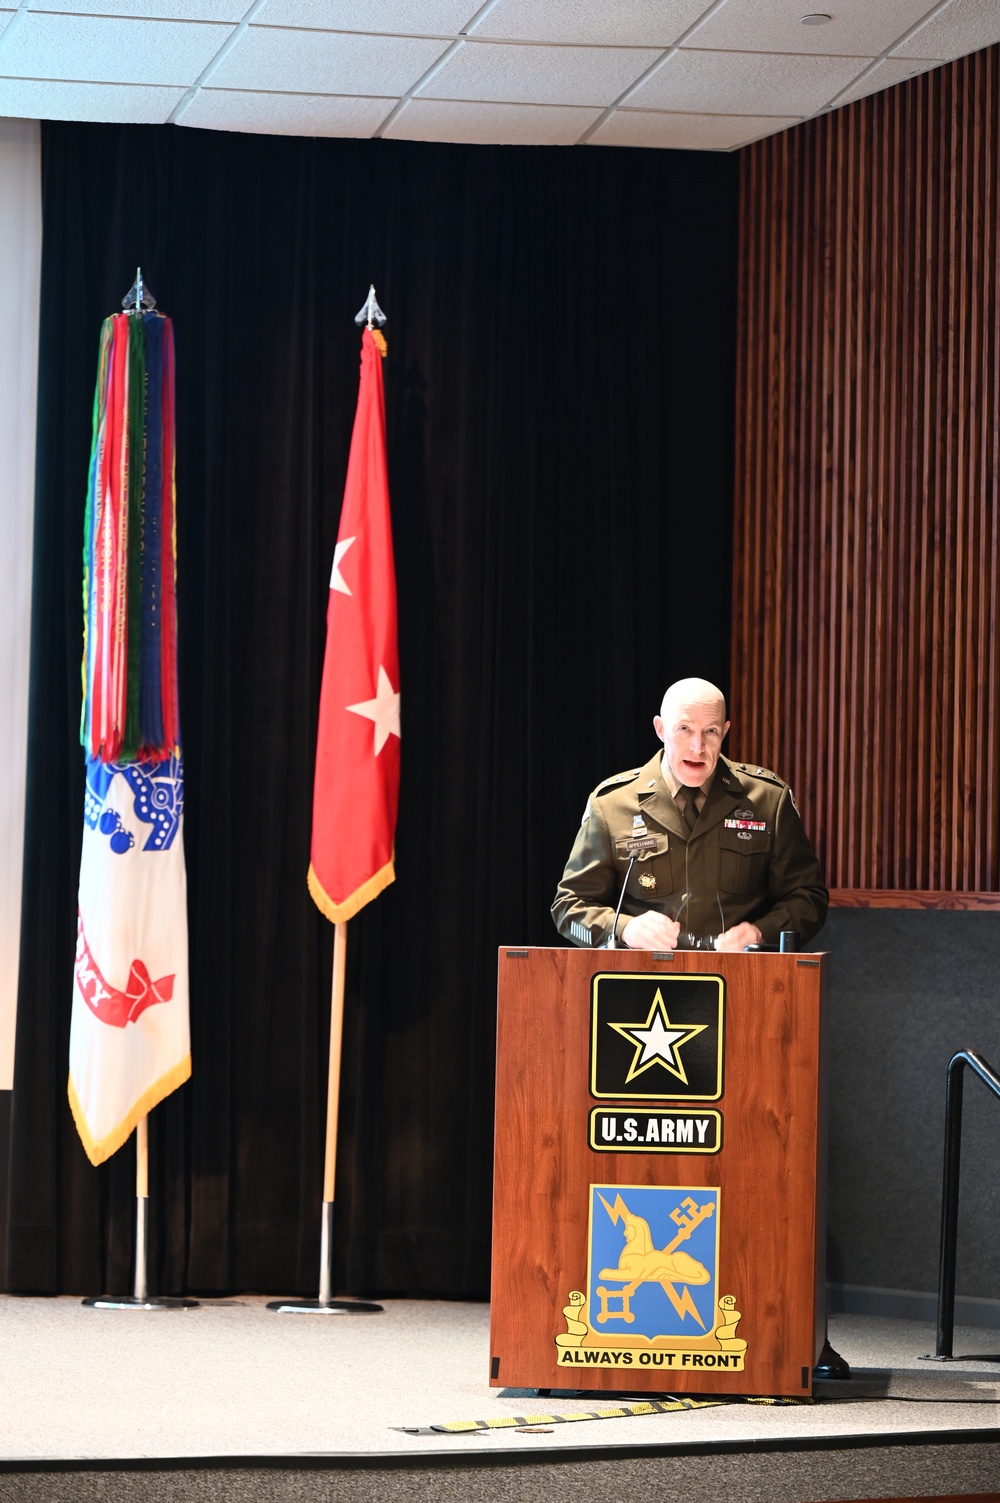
(909, 989)
(866, 665)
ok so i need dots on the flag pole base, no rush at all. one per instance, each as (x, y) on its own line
(324, 1307)
(140, 1298)
(133, 1302)
(326, 1304)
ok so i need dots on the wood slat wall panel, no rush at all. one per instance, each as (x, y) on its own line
(866, 589)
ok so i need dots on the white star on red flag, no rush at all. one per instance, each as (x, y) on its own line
(337, 580)
(383, 710)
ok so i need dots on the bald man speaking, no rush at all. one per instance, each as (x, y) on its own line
(721, 858)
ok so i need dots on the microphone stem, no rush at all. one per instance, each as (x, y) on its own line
(611, 943)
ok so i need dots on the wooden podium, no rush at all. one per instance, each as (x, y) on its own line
(659, 1173)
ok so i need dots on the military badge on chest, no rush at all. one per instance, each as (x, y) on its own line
(745, 824)
(647, 881)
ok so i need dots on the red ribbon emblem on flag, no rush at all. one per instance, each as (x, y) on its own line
(107, 1003)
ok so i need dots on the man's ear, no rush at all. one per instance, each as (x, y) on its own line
(725, 730)
(661, 729)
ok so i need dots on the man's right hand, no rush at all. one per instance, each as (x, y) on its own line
(651, 931)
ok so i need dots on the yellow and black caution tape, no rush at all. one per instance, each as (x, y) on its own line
(766, 1400)
(527, 1421)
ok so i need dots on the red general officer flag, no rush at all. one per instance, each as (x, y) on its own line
(356, 791)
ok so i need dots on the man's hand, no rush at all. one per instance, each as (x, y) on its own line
(652, 931)
(738, 937)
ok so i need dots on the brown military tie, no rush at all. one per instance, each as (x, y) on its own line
(690, 810)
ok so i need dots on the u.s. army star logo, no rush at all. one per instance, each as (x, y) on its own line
(658, 1041)
(656, 1036)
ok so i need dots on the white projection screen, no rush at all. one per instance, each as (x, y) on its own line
(20, 264)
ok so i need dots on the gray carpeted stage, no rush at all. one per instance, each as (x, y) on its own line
(233, 1402)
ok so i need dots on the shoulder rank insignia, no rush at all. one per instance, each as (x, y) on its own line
(765, 772)
(616, 781)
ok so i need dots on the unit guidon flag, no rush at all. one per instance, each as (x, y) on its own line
(356, 791)
(129, 1032)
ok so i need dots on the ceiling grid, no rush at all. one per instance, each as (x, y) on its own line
(650, 73)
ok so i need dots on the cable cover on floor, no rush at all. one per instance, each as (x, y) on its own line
(526, 1421)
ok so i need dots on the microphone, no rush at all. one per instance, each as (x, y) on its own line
(611, 943)
(788, 943)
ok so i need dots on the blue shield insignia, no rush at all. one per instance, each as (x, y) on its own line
(652, 1264)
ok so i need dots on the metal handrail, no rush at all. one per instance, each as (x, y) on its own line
(949, 1191)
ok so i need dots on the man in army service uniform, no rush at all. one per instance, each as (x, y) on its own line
(722, 860)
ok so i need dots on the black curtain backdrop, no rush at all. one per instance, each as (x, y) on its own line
(560, 407)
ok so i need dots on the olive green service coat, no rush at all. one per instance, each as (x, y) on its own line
(768, 875)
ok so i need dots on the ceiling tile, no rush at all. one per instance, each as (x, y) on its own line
(435, 18)
(491, 124)
(681, 132)
(163, 10)
(640, 23)
(538, 75)
(745, 83)
(286, 114)
(965, 26)
(858, 28)
(129, 104)
(325, 62)
(109, 51)
(884, 74)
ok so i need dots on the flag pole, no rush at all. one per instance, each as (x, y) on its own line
(137, 302)
(332, 1111)
(140, 1298)
(365, 517)
(140, 1288)
(326, 1304)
